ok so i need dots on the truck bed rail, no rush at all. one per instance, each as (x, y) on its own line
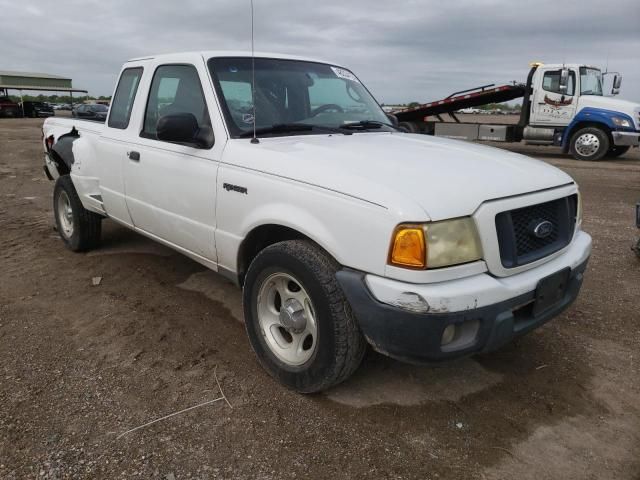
(473, 97)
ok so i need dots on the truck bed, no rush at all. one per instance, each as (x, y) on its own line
(58, 126)
(465, 99)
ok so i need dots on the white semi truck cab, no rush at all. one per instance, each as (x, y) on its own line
(563, 105)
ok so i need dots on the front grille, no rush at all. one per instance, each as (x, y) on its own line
(519, 240)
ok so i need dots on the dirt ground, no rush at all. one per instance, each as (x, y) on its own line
(80, 365)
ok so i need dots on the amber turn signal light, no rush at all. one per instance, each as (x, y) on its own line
(408, 248)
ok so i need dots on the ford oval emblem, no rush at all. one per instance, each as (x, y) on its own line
(543, 229)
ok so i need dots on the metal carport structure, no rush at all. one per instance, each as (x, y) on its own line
(29, 81)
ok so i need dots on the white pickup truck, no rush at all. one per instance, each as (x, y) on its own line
(341, 229)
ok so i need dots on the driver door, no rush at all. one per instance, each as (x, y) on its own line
(551, 106)
(171, 187)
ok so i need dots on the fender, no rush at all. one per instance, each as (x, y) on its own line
(593, 115)
(63, 148)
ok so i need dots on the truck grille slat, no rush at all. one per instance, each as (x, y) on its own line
(518, 239)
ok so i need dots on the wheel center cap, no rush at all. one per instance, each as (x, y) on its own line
(292, 316)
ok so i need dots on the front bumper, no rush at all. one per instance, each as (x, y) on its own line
(626, 139)
(417, 337)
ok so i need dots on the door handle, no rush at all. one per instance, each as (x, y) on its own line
(135, 156)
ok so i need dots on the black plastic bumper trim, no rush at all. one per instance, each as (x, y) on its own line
(416, 337)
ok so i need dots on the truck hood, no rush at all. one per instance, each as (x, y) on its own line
(408, 174)
(614, 104)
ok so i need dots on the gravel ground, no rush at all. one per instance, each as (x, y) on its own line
(81, 364)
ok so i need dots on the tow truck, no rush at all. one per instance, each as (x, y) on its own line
(563, 105)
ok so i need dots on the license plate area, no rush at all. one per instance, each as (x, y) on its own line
(551, 290)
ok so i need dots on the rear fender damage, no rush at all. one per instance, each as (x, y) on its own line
(60, 155)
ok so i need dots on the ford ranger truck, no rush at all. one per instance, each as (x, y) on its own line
(342, 231)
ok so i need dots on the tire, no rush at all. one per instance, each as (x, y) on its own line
(334, 344)
(79, 228)
(615, 152)
(589, 144)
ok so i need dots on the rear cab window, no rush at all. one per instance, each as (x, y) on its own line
(120, 111)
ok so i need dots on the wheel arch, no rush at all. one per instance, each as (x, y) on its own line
(62, 151)
(590, 117)
(263, 236)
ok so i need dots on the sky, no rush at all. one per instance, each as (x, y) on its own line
(403, 50)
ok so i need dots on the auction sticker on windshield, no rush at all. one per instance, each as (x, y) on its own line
(346, 74)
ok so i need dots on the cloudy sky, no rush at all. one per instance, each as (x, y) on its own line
(403, 50)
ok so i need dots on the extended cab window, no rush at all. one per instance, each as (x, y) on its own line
(175, 89)
(124, 97)
(551, 82)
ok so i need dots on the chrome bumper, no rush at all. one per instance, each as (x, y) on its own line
(627, 139)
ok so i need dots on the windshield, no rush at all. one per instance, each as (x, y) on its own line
(297, 97)
(590, 81)
(98, 108)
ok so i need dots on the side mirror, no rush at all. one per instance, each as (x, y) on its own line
(204, 137)
(617, 82)
(564, 80)
(393, 119)
(183, 128)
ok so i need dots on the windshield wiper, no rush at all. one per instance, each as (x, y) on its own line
(278, 128)
(291, 128)
(365, 125)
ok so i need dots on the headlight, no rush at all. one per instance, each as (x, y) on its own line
(621, 122)
(434, 245)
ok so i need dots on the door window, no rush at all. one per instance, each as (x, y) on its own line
(551, 82)
(124, 97)
(175, 89)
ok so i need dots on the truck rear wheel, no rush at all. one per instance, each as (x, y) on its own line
(615, 152)
(299, 322)
(79, 228)
(590, 144)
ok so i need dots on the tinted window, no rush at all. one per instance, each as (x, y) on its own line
(175, 89)
(98, 108)
(124, 97)
(551, 82)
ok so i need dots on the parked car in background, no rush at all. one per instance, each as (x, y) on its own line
(37, 109)
(9, 108)
(91, 112)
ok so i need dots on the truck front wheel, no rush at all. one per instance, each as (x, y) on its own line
(79, 228)
(590, 144)
(299, 322)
